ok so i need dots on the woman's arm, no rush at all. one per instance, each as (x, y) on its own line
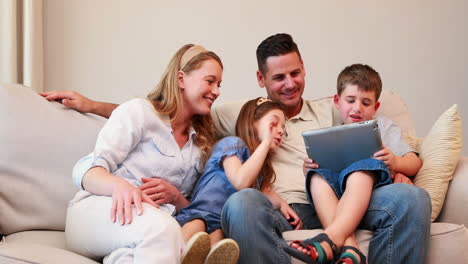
(161, 192)
(100, 182)
(80, 103)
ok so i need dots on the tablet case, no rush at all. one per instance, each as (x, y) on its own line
(338, 147)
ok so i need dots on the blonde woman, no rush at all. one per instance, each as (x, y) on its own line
(146, 161)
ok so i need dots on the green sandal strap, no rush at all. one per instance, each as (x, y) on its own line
(322, 255)
(348, 255)
(351, 256)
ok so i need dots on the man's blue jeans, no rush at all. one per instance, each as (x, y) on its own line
(399, 216)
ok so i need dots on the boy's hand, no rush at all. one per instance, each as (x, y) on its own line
(387, 156)
(401, 178)
(309, 164)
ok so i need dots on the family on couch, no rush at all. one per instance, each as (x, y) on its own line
(398, 214)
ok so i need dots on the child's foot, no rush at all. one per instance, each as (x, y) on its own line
(225, 251)
(351, 255)
(319, 249)
(196, 249)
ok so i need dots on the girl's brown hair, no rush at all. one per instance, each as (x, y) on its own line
(167, 99)
(245, 129)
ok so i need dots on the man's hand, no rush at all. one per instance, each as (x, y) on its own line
(290, 215)
(70, 99)
(74, 100)
(309, 164)
(160, 191)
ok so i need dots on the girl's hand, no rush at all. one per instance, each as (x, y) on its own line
(160, 191)
(124, 196)
(309, 164)
(265, 129)
(387, 156)
(290, 215)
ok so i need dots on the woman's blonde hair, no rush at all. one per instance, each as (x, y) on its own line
(253, 111)
(167, 98)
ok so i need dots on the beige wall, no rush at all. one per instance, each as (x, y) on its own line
(113, 50)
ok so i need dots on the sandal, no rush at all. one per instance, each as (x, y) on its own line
(318, 254)
(349, 258)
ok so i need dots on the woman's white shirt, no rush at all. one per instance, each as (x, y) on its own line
(138, 142)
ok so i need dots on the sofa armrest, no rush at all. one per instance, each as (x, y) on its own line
(456, 201)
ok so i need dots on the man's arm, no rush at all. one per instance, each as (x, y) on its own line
(78, 102)
(225, 116)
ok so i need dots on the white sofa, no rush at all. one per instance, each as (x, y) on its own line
(41, 141)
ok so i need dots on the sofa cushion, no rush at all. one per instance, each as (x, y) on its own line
(440, 152)
(47, 238)
(448, 244)
(39, 144)
(454, 209)
(35, 253)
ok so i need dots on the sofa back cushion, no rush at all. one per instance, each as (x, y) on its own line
(39, 145)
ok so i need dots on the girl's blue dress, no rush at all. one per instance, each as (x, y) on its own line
(213, 188)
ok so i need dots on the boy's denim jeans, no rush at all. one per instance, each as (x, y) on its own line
(399, 215)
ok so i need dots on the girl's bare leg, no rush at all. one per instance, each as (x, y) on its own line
(216, 236)
(193, 227)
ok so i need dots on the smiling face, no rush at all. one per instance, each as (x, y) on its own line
(356, 105)
(274, 120)
(200, 87)
(284, 81)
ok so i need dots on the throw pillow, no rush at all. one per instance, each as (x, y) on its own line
(440, 152)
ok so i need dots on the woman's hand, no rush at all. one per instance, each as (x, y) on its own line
(124, 195)
(160, 191)
(309, 164)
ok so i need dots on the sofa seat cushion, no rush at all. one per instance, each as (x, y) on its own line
(448, 242)
(35, 253)
(48, 238)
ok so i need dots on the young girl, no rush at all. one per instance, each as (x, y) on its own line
(235, 164)
(341, 198)
(168, 135)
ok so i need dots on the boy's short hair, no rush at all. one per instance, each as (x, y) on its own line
(364, 76)
(275, 45)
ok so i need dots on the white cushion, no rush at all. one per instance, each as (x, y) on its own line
(39, 144)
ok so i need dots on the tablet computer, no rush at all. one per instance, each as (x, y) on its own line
(338, 147)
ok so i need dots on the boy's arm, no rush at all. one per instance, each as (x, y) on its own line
(80, 103)
(409, 164)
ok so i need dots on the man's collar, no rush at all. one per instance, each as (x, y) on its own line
(304, 114)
